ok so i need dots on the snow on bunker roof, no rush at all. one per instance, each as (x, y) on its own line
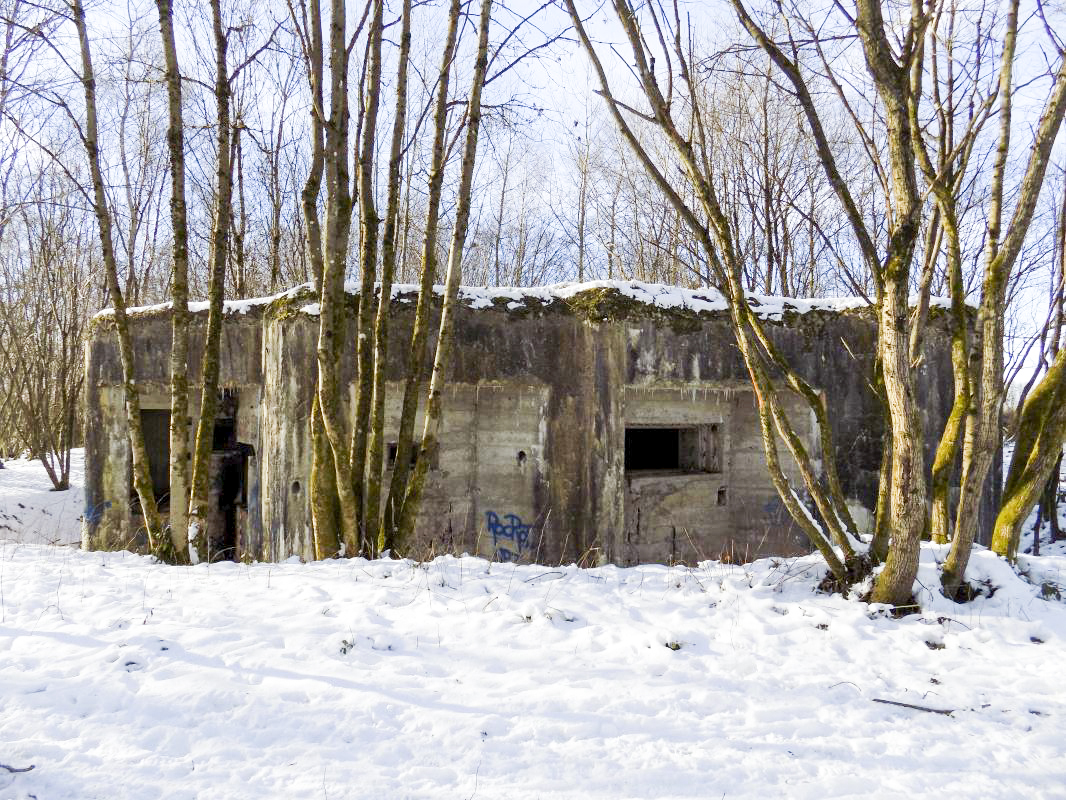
(658, 296)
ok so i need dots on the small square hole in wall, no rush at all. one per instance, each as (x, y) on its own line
(723, 496)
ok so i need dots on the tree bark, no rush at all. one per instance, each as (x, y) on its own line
(180, 422)
(333, 323)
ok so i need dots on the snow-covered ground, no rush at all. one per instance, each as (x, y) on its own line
(122, 678)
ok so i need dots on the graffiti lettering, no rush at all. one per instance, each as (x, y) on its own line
(512, 531)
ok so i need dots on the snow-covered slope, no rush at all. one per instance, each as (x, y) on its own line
(122, 678)
(31, 512)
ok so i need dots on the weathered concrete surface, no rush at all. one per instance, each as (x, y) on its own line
(531, 464)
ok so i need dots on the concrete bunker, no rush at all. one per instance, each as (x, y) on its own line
(608, 422)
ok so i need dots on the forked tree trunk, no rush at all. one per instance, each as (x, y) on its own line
(1030, 467)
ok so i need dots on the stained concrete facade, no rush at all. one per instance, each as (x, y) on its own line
(583, 425)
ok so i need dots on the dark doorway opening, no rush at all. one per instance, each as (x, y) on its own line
(228, 492)
(156, 427)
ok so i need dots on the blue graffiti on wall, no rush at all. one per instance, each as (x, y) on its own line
(511, 531)
(93, 514)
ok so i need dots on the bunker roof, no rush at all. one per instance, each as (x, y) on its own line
(607, 299)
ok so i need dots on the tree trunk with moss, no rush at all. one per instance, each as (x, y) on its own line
(198, 504)
(325, 521)
(375, 449)
(159, 543)
(333, 315)
(325, 512)
(1041, 431)
(1002, 250)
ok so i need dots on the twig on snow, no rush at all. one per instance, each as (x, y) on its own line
(17, 769)
(947, 712)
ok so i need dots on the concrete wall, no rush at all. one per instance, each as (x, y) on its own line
(532, 459)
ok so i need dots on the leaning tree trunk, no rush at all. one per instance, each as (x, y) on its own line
(159, 542)
(1041, 430)
(434, 402)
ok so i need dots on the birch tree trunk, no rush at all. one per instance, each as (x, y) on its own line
(179, 287)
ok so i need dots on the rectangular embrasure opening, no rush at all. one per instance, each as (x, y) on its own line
(692, 448)
(653, 449)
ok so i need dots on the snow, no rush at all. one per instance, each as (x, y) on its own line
(457, 678)
(31, 512)
(656, 295)
(228, 306)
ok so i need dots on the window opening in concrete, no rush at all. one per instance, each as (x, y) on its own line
(693, 448)
(723, 497)
(521, 457)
